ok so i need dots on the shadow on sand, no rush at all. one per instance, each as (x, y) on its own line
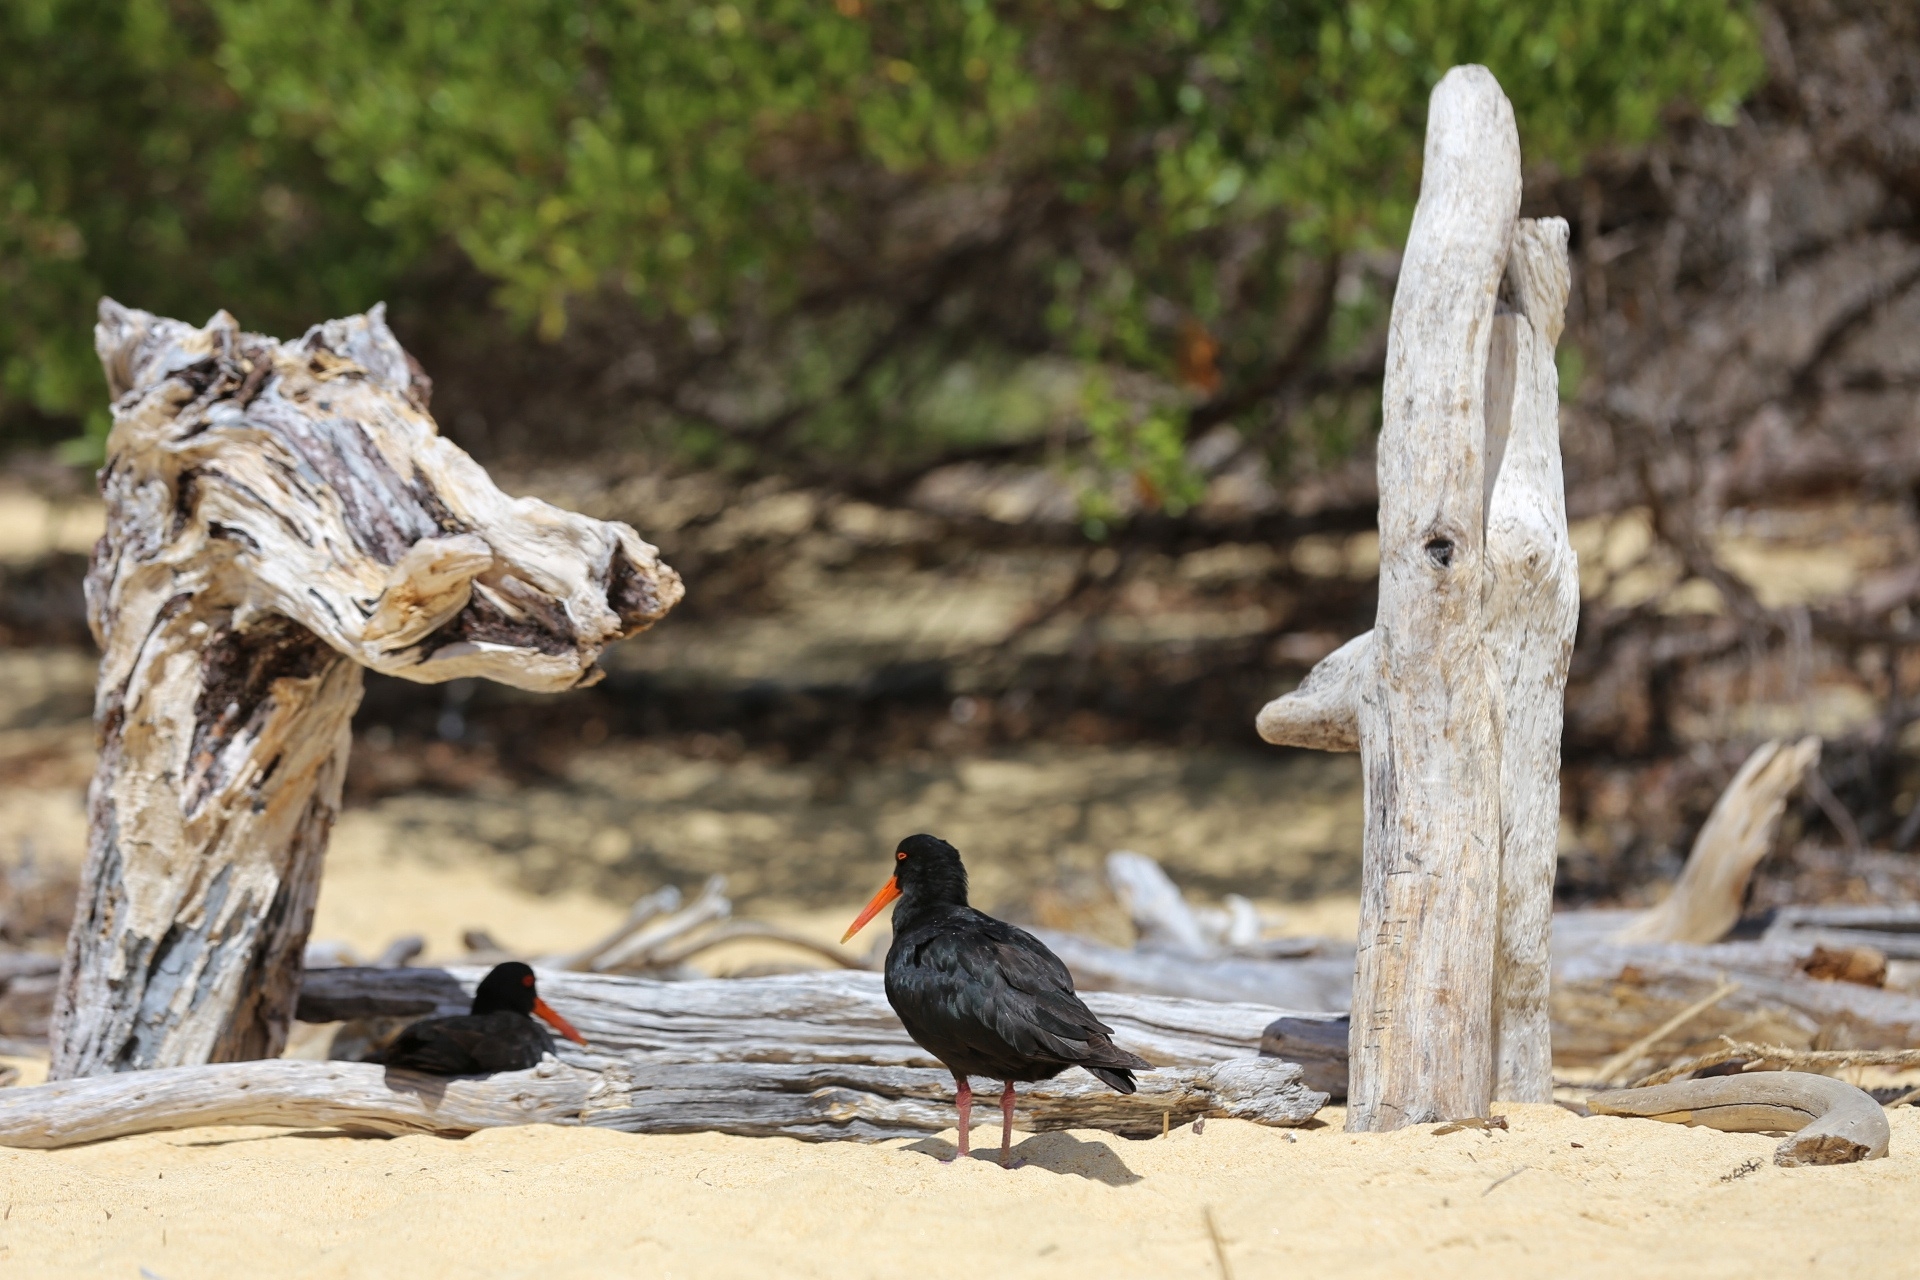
(1055, 1152)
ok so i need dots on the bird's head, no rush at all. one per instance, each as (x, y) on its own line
(510, 988)
(925, 869)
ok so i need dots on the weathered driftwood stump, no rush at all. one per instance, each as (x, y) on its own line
(280, 515)
(1454, 699)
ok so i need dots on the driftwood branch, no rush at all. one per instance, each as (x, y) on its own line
(1832, 1121)
(1423, 1033)
(814, 1017)
(803, 1100)
(280, 515)
(1706, 899)
(1533, 604)
(1320, 983)
(1455, 698)
(1607, 997)
(1773, 1057)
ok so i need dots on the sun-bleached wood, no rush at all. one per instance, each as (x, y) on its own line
(1706, 899)
(829, 1016)
(816, 1101)
(1455, 699)
(1608, 996)
(1832, 1122)
(1422, 1025)
(1533, 606)
(1322, 713)
(280, 515)
(1420, 691)
(1314, 983)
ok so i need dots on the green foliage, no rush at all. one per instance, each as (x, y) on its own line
(1090, 180)
(127, 168)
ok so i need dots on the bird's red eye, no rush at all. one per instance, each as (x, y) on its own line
(900, 856)
(527, 981)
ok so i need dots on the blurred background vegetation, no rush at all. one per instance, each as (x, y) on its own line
(1003, 378)
(845, 240)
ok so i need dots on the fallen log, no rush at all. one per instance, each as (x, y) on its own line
(830, 1016)
(1893, 929)
(1832, 1122)
(809, 1100)
(1608, 997)
(1307, 984)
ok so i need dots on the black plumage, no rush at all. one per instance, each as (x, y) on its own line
(984, 997)
(499, 1034)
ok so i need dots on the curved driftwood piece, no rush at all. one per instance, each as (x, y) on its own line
(1533, 605)
(280, 515)
(830, 1016)
(1832, 1122)
(1706, 899)
(1323, 712)
(802, 1100)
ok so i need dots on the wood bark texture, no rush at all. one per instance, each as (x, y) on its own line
(1455, 698)
(1831, 1121)
(280, 515)
(1706, 899)
(1533, 606)
(810, 1100)
(1608, 997)
(1423, 1006)
(1422, 1025)
(828, 1016)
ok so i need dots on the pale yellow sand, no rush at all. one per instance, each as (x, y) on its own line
(1636, 1199)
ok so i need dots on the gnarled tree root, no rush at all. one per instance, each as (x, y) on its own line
(1831, 1121)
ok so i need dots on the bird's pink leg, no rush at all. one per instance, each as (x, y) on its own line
(963, 1096)
(1006, 1124)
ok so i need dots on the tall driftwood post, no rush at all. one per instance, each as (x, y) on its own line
(280, 515)
(1454, 699)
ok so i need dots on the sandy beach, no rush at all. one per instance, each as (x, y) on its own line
(1556, 1196)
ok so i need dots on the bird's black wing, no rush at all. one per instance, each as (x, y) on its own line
(472, 1044)
(437, 1046)
(998, 992)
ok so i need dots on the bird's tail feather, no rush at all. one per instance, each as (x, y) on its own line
(1117, 1078)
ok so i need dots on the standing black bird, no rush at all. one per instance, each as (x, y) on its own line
(498, 1035)
(985, 998)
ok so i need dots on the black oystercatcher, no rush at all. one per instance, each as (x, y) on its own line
(498, 1035)
(985, 998)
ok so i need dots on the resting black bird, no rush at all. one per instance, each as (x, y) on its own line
(985, 998)
(498, 1035)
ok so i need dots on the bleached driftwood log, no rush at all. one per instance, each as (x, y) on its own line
(1321, 982)
(1607, 997)
(1831, 1121)
(1706, 899)
(838, 1016)
(280, 515)
(1891, 928)
(817, 1101)
(1467, 662)
(1533, 606)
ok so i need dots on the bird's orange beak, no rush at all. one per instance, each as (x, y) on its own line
(888, 892)
(544, 1011)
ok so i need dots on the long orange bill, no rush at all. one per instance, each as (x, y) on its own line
(881, 901)
(543, 1010)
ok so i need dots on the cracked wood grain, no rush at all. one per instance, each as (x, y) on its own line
(279, 516)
